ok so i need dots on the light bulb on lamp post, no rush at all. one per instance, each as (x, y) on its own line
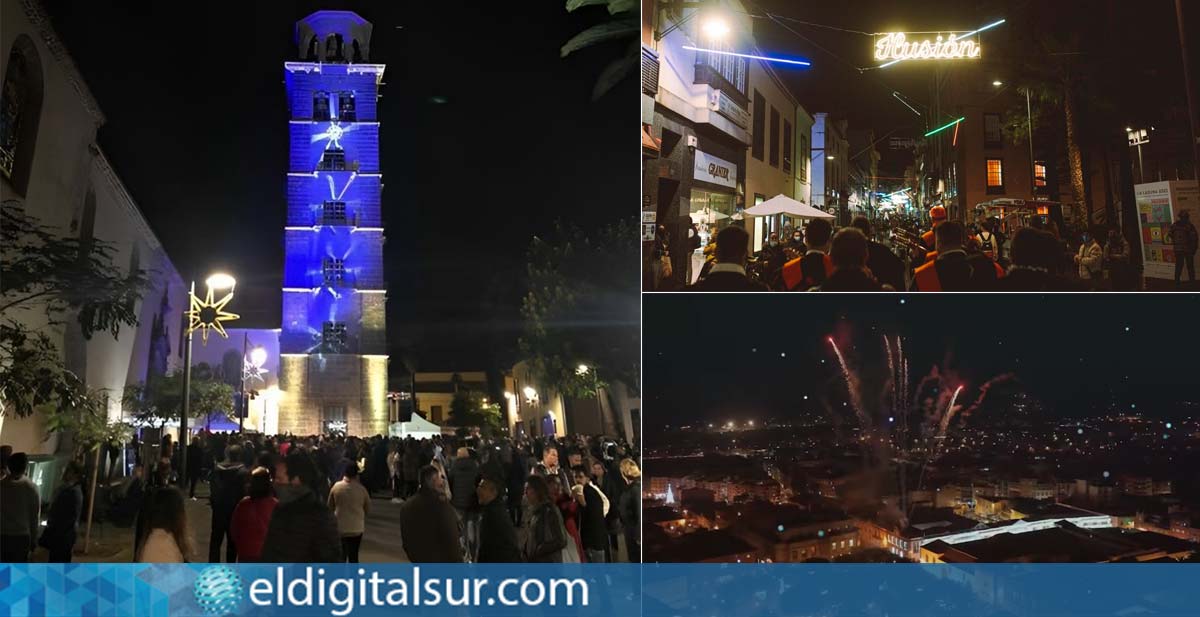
(715, 27)
(258, 356)
(203, 314)
(530, 394)
(220, 281)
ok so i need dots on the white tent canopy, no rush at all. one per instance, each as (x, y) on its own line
(417, 428)
(782, 204)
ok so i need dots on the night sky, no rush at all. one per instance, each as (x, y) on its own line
(1144, 60)
(488, 138)
(729, 356)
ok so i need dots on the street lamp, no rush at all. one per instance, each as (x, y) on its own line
(715, 27)
(530, 394)
(252, 368)
(207, 314)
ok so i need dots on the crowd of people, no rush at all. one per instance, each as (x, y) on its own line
(292, 499)
(948, 257)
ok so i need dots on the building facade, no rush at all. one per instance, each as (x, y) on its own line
(435, 390)
(830, 180)
(771, 166)
(333, 348)
(695, 112)
(52, 170)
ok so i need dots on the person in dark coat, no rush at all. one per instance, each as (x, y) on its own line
(412, 466)
(195, 456)
(545, 534)
(611, 485)
(302, 528)
(631, 509)
(850, 253)
(886, 267)
(59, 535)
(733, 245)
(429, 524)
(1035, 260)
(593, 530)
(463, 477)
(497, 536)
(229, 480)
(1184, 240)
(954, 269)
(517, 471)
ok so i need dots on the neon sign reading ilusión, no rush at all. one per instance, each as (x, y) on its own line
(896, 47)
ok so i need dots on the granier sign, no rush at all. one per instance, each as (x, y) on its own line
(715, 170)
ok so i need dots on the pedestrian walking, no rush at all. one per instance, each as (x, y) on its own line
(61, 525)
(545, 535)
(497, 536)
(228, 486)
(428, 523)
(252, 516)
(350, 502)
(20, 507)
(1183, 238)
(631, 509)
(593, 506)
(302, 529)
(166, 536)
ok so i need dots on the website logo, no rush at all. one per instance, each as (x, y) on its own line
(218, 591)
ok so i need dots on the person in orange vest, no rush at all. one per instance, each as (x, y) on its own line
(804, 273)
(937, 214)
(954, 269)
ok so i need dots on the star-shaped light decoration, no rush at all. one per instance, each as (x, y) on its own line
(208, 314)
(251, 371)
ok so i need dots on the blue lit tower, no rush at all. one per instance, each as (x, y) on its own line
(333, 346)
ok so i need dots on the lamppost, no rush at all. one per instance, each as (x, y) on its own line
(204, 315)
(1138, 138)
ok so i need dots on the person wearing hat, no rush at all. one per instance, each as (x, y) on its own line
(937, 214)
(955, 269)
(1182, 235)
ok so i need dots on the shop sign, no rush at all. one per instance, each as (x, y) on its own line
(715, 170)
(896, 46)
(720, 102)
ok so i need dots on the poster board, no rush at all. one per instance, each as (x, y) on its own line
(1159, 204)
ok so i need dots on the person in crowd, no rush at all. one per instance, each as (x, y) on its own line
(302, 529)
(61, 525)
(429, 526)
(20, 507)
(1034, 262)
(850, 252)
(1118, 262)
(1090, 260)
(593, 507)
(545, 535)
(350, 502)
(160, 479)
(195, 454)
(953, 269)
(6, 451)
(611, 485)
(882, 263)
(497, 536)
(661, 257)
(729, 273)
(412, 465)
(228, 487)
(129, 497)
(796, 242)
(937, 216)
(464, 478)
(773, 256)
(252, 516)
(395, 465)
(549, 468)
(631, 508)
(517, 470)
(445, 483)
(811, 270)
(568, 509)
(166, 536)
(1183, 238)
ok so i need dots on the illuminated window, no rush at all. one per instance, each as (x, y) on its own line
(1039, 174)
(995, 176)
(333, 213)
(334, 271)
(333, 337)
(346, 110)
(993, 136)
(320, 105)
(333, 160)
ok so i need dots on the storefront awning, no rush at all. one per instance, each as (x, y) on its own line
(782, 204)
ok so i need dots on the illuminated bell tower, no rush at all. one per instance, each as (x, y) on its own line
(333, 346)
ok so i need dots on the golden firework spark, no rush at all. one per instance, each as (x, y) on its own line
(208, 314)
